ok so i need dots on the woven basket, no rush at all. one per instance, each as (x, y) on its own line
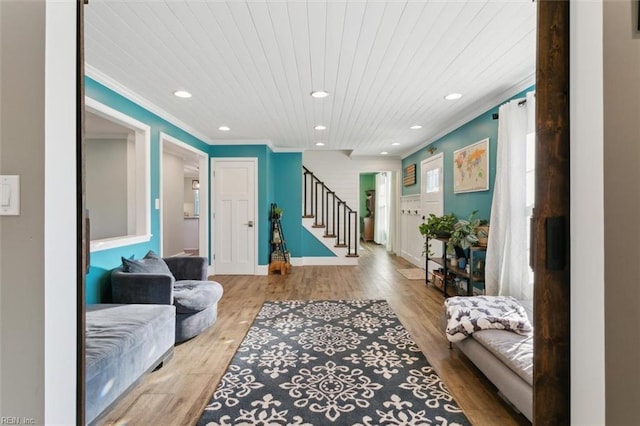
(280, 256)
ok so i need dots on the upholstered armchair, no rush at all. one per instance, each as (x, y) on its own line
(181, 281)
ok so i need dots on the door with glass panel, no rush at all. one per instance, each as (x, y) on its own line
(432, 195)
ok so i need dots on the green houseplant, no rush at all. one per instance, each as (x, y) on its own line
(276, 213)
(437, 227)
(466, 232)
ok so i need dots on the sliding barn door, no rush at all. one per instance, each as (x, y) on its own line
(551, 218)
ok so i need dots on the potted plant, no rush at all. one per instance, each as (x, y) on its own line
(464, 232)
(276, 213)
(437, 227)
(482, 231)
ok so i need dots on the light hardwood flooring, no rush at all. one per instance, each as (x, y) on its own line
(177, 393)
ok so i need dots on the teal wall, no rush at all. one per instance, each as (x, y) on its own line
(287, 194)
(481, 127)
(311, 247)
(286, 180)
(279, 181)
(97, 281)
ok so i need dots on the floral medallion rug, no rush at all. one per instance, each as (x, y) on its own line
(344, 362)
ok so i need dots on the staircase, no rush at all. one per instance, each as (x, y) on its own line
(329, 218)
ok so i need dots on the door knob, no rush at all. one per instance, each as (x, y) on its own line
(250, 224)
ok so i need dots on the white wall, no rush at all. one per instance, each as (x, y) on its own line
(587, 215)
(341, 174)
(339, 171)
(106, 187)
(60, 214)
(172, 205)
(411, 241)
(37, 248)
(189, 200)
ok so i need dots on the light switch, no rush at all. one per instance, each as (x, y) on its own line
(5, 195)
(9, 195)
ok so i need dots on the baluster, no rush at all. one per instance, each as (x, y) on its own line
(326, 227)
(353, 232)
(316, 223)
(306, 202)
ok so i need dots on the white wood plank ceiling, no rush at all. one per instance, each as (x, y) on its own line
(251, 65)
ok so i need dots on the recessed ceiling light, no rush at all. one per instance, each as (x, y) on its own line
(224, 128)
(384, 153)
(182, 94)
(395, 144)
(319, 94)
(453, 96)
(320, 127)
(416, 127)
(319, 144)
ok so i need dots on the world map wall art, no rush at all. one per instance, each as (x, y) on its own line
(471, 167)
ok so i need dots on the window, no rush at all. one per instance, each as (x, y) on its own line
(433, 181)
(117, 177)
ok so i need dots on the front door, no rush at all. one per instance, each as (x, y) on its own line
(234, 215)
(432, 196)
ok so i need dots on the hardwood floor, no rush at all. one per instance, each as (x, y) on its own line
(177, 393)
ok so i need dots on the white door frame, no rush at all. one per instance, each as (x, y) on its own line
(256, 226)
(203, 176)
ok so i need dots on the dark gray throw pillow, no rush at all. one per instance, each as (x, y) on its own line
(150, 264)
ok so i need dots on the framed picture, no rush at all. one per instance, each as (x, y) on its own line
(471, 167)
(409, 175)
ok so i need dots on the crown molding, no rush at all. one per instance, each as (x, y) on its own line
(473, 112)
(117, 87)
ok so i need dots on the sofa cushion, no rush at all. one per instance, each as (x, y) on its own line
(194, 296)
(122, 343)
(151, 264)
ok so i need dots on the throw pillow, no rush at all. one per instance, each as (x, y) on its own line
(150, 264)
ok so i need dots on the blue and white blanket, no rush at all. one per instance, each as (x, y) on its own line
(468, 314)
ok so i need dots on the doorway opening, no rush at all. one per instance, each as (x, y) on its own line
(184, 199)
(378, 195)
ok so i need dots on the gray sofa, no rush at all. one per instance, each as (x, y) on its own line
(184, 284)
(123, 342)
(506, 359)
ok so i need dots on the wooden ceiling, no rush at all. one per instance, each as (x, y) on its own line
(251, 65)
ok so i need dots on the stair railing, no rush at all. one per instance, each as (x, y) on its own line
(330, 212)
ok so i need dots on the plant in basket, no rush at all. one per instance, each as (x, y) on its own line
(467, 232)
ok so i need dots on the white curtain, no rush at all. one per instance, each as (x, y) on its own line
(507, 264)
(381, 222)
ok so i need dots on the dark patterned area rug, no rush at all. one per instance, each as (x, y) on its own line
(346, 362)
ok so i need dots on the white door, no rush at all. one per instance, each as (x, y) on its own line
(432, 194)
(234, 215)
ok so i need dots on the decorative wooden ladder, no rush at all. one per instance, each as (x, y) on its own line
(331, 213)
